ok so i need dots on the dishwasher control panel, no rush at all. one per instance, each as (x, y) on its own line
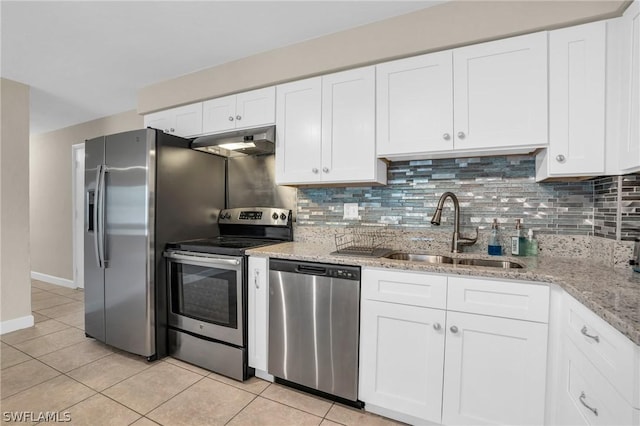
(316, 269)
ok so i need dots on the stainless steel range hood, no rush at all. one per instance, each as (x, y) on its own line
(256, 141)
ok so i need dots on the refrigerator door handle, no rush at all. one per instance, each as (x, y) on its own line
(96, 223)
(101, 213)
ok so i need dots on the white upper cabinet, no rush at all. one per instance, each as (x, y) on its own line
(181, 121)
(298, 131)
(326, 130)
(630, 145)
(415, 105)
(244, 110)
(500, 93)
(480, 99)
(577, 77)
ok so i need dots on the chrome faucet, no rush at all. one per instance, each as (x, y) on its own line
(458, 240)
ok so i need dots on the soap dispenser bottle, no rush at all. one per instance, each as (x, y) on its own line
(517, 240)
(495, 249)
(531, 245)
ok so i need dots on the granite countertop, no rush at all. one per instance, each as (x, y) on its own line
(612, 293)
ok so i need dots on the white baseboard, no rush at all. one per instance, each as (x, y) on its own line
(16, 324)
(53, 280)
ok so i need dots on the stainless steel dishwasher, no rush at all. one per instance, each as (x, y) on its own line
(314, 322)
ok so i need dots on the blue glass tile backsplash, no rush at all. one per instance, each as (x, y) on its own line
(501, 187)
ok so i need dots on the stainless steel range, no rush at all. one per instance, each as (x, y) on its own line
(208, 289)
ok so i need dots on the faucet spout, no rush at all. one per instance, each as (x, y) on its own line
(457, 241)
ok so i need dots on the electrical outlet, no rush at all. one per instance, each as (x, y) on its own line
(351, 211)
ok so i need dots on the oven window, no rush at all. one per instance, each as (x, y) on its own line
(205, 293)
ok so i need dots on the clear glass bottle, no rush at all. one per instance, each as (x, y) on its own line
(495, 248)
(518, 240)
(531, 245)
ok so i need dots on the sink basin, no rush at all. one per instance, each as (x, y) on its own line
(425, 258)
(437, 259)
(489, 262)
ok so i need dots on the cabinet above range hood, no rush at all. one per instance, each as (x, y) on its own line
(256, 141)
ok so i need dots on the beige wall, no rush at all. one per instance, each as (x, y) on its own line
(51, 199)
(15, 280)
(451, 24)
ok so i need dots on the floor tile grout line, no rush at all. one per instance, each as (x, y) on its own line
(304, 411)
(243, 408)
(36, 337)
(183, 390)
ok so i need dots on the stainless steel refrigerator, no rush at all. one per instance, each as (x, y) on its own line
(143, 189)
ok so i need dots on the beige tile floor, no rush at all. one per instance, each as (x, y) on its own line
(53, 367)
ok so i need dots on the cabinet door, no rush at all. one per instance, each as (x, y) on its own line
(585, 396)
(256, 108)
(577, 100)
(630, 146)
(500, 93)
(494, 371)
(298, 132)
(415, 105)
(219, 114)
(348, 126)
(182, 121)
(258, 312)
(401, 358)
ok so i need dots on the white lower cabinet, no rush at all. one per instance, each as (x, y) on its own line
(258, 313)
(470, 369)
(402, 358)
(494, 371)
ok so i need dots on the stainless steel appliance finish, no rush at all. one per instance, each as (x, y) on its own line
(255, 141)
(206, 295)
(314, 319)
(252, 182)
(139, 194)
(208, 289)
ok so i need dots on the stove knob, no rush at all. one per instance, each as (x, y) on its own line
(274, 216)
(283, 216)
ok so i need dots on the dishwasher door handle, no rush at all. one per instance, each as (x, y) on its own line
(311, 270)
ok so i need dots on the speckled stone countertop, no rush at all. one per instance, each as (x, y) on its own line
(612, 293)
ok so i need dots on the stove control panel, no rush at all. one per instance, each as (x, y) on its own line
(256, 216)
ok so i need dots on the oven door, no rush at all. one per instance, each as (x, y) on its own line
(206, 294)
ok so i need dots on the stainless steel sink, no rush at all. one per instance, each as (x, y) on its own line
(505, 264)
(437, 259)
(425, 258)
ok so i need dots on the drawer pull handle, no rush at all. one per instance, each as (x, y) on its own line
(584, 331)
(582, 398)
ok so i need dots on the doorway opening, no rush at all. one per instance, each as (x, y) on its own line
(78, 213)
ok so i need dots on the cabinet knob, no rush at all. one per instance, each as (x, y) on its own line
(172, 130)
(560, 158)
(437, 326)
(461, 135)
(238, 117)
(230, 118)
(314, 170)
(256, 277)
(166, 130)
(454, 329)
(325, 169)
(446, 136)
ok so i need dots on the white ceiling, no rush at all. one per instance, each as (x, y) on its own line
(87, 59)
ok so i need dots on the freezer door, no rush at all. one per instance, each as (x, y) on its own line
(128, 257)
(93, 272)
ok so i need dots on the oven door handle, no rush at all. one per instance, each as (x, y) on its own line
(202, 259)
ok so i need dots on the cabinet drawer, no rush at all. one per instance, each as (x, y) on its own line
(499, 298)
(587, 391)
(609, 350)
(407, 288)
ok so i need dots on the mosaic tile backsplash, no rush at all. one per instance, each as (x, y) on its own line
(487, 187)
